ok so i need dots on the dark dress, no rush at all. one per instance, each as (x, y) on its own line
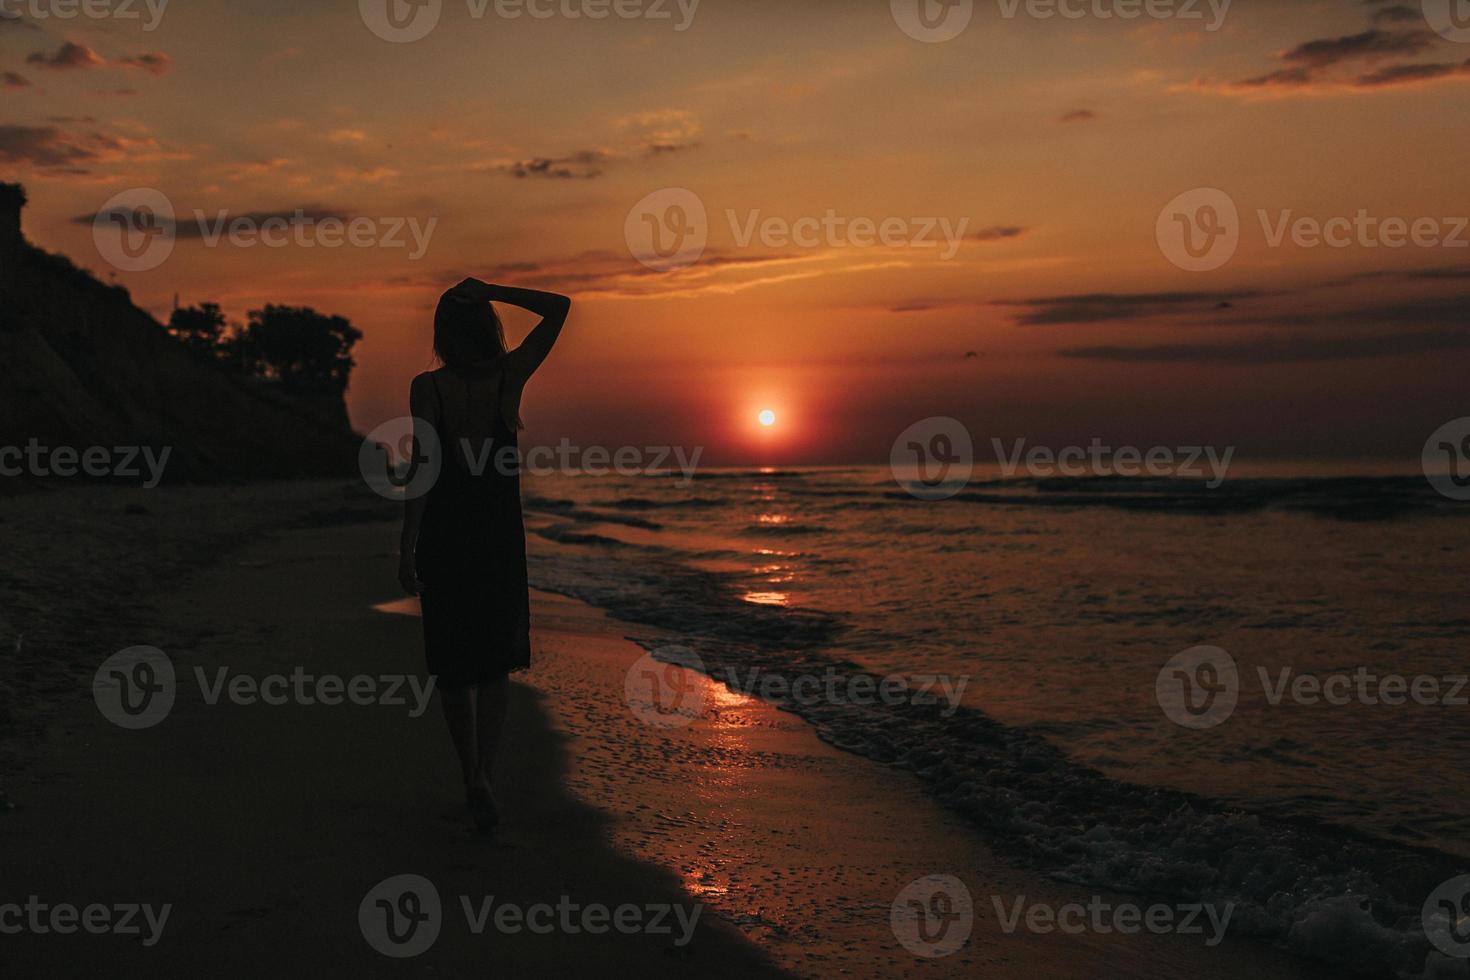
(471, 559)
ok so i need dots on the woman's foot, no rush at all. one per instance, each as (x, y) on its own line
(481, 802)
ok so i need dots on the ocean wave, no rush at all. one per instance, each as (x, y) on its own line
(644, 503)
(1321, 891)
(785, 530)
(1344, 498)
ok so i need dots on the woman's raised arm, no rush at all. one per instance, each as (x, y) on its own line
(551, 307)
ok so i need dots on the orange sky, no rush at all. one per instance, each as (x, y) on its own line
(1056, 142)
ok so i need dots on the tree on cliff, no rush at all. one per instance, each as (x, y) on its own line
(306, 351)
(199, 328)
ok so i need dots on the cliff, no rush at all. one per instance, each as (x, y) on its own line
(81, 366)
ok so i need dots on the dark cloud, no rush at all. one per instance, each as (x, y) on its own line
(1398, 14)
(189, 228)
(1312, 64)
(68, 56)
(997, 233)
(664, 149)
(1430, 311)
(1284, 77)
(42, 146)
(1288, 350)
(584, 165)
(153, 62)
(1077, 115)
(10, 79)
(1102, 307)
(1408, 74)
(1367, 45)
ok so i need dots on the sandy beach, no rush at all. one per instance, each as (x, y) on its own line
(264, 827)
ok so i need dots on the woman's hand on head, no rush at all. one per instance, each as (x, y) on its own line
(472, 291)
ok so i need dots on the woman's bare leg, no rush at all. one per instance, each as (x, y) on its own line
(493, 699)
(459, 712)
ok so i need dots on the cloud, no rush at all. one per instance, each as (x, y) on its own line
(1339, 64)
(153, 62)
(1368, 45)
(1289, 350)
(663, 131)
(347, 136)
(583, 165)
(47, 147)
(1409, 74)
(1287, 77)
(1415, 325)
(997, 233)
(657, 133)
(1077, 115)
(1398, 14)
(10, 79)
(616, 275)
(1451, 311)
(1101, 307)
(192, 229)
(69, 56)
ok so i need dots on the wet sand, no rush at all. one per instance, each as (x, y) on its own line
(266, 826)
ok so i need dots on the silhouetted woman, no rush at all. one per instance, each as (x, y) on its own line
(463, 550)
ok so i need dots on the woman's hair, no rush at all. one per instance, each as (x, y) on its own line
(468, 337)
(470, 340)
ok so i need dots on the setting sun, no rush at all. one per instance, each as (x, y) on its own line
(767, 418)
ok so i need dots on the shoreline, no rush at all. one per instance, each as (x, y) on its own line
(788, 842)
